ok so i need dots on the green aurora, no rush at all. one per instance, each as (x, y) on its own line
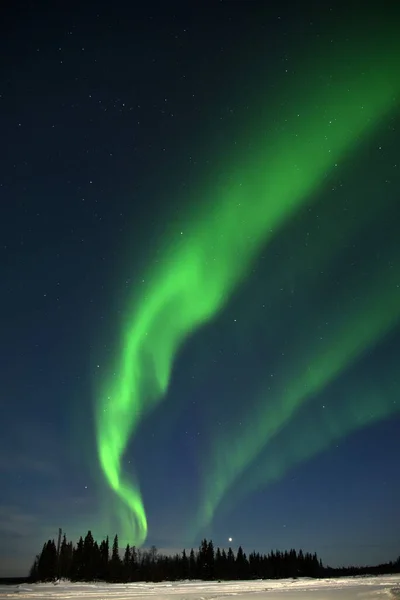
(356, 319)
(206, 262)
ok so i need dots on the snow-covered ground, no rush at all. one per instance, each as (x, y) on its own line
(363, 588)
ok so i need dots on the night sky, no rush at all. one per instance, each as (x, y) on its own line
(200, 276)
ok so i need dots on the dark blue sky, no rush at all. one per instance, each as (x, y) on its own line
(108, 115)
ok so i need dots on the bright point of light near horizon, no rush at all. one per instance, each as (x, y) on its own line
(230, 539)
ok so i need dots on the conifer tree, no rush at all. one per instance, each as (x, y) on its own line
(104, 557)
(47, 563)
(192, 565)
(77, 561)
(88, 567)
(34, 570)
(134, 564)
(241, 564)
(65, 559)
(224, 565)
(230, 564)
(127, 564)
(218, 564)
(184, 570)
(210, 561)
(115, 563)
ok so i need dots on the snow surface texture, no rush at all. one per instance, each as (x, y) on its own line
(360, 588)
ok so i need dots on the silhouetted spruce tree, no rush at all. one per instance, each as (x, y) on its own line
(104, 557)
(166, 569)
(230, 564)
(177, 573)
(205, 560)
(291, 566)
(34, 570)
(153, 564)
(202, 560)
(42, 566)
(51, 560)
(47, 563)
(309, 565)
(241, 564)
(63, 569)
(65, 559)
(300, 563)
(184, 566)
(285, 564)
(127, 576)
(223, 569)
(134, 565)
(96, 560)
(115, 563)
(192, 565)
(88, 564)
(218, 564)
(314, 566)
(77, 561)
(254, 565)
(145, 565)
(150, 564)
(210, 560)
(278, 564)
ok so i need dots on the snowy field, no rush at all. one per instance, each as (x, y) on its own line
(362, 588)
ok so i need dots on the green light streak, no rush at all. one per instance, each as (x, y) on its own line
(202, 267)
(360, 406)
(364, 313)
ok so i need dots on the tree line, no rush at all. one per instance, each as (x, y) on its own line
(90, 561)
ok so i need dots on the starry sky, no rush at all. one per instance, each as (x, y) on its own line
(200, 290)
